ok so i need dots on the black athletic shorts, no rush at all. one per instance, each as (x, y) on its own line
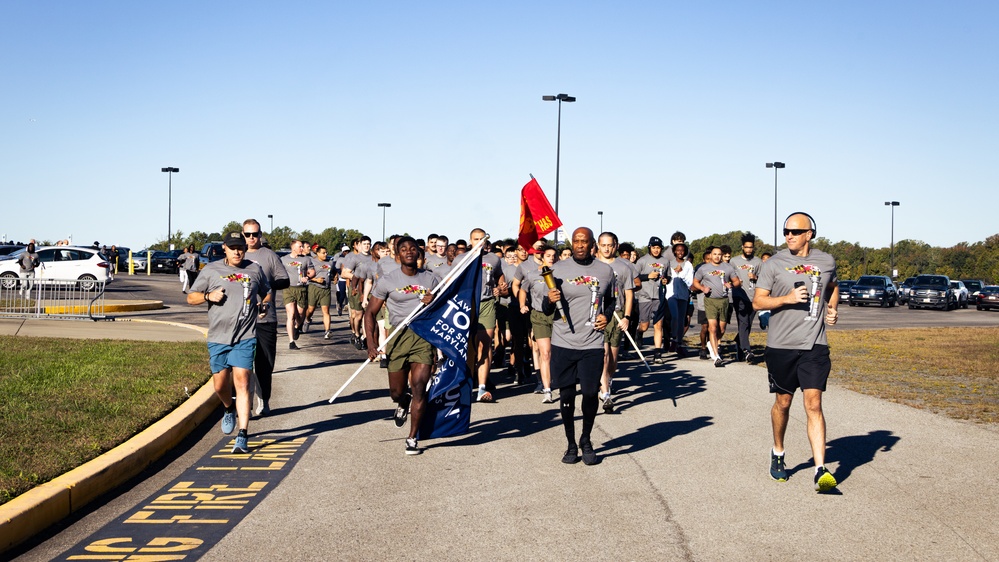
(583, 366)
(790, 369)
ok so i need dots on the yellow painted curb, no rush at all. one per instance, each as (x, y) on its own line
(40, 507)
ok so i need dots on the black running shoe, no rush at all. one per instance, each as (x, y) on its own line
(412, 447)
(571, 455)
(589, 456)
(608, 404)
(718, 362)
(703, 354)
(291, 345)
(657, 356)
(777, 470)
(824, 480)
(402, 411)
(383, 362)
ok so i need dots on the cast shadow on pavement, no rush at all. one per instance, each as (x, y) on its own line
(342, 421)
(853, 451)
(319, 365)
(636, 385)
(506, 427)
(652, 435)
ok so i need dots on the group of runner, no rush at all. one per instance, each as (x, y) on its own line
(563, 320)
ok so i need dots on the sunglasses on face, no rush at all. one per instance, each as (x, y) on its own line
(795, 231)
(251, 234)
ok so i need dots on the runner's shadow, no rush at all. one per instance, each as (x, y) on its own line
(342, 421)
(652, 435)
(506, 427)
(317, 365)
(665, 382)
(853, 451)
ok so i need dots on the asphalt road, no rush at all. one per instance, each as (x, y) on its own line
(683, 472)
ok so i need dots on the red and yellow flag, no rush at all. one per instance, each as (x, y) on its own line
(537, 218)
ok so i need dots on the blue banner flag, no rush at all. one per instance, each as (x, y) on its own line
(447, 323)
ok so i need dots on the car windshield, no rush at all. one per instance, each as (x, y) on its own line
(973, 285)
(990, 289)
(931, 280)
(871, 281)
(159, 255)
(954, 285)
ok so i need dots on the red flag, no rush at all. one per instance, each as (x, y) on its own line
(537, 217)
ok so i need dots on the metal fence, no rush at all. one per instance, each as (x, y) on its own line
(52, 298)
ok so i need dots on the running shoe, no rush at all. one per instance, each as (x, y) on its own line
(571, 455)
(383, 362)
(657, 356)
(292, 345)
(353, 339)
(402, 411)
(412, 447)
(305, 326)
(241, 446)
(589, 456)
(718, 362)
(750, 358)
(824, 480)
(703, 354)
(548, 397)
(608, 407)
(229, 420)
(485, 396)
(540, 389)
(777, 470)
(328, 335)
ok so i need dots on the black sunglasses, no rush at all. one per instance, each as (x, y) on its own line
(796, 231)
(253, 234)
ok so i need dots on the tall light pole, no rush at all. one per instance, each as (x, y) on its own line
(170, 172)
(776, 166)
(892, 204)
(384, 206)
(271, 231)
(601, 215)
(558, 142)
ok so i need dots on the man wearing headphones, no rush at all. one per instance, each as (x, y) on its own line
(798, 285)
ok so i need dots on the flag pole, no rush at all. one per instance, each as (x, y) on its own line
(633, 344)
(449, 280)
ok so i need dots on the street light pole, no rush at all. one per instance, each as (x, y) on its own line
(558, 143)
(892, 204)
(271, 231)
(170, 172)
(384, 206)
(776, 166)
(601, 214)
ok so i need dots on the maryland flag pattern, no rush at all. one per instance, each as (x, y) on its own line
(805, 270)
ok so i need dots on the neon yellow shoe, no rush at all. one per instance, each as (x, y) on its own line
(824, 480)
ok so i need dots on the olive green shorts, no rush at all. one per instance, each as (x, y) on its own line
(612, 333)
(716, 309)
(354, 301)
(487, 314)
(319, 296)
(297, 295)
(542, 324)
(406, 349)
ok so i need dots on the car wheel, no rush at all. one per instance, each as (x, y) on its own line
(87, 282)
(8, 280)
(965, 305)
(884, 303)
(978, 307)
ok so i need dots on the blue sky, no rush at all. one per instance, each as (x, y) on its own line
(316, 111)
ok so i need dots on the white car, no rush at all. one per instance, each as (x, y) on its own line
(85, 265)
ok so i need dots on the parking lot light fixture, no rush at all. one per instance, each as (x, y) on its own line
(892, 204)
(558, 143)
(776, 166)
(384, 207)
(170, 171)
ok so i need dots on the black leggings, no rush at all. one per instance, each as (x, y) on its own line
(567, 405)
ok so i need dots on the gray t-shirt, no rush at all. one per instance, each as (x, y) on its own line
(578, 283)
(646, 265)
(509, 272)
(537, 289)
(326, 270)
(434, 261)
(351, 260)
(235, 318)
(624, 280)
(28, 262)
(791, 326)
(274, 270)
(743, 268)
(189, 261)
(491, 271)
(402, 292)
(714, 277)
(297, 267)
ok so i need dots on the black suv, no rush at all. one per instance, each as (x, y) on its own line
(873, 289)
(932, 291)
(903, 290)
(210, 252)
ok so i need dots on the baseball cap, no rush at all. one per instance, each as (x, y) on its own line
(345, 248)
(235, 240)
(655, 241)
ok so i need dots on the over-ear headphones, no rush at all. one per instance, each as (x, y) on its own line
(810, 219)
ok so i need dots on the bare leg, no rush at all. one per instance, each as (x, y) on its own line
(816, 424)
(419, 376)
(241, 380)
(778, 418)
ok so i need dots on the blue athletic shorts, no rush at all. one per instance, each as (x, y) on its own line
(222, 356)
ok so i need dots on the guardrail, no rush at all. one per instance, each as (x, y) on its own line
(52, 298)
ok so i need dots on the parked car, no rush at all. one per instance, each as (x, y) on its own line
(961, 293)
(844, 290)
(210, 252)
(874, 289)
(932, 291)
(164, 262)
(85, 265)
(988, 298)
(904, 288)
(974, 286)
(7, 249)
(139, 259)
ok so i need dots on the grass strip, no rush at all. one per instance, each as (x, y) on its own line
(64, 401)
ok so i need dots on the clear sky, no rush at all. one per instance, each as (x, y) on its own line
(317, 111)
